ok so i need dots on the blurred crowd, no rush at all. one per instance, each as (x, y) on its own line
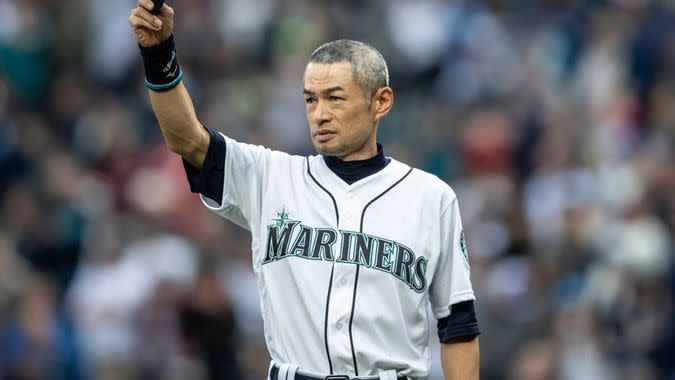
(554, 121)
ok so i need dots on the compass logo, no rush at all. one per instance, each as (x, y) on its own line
(462, 247)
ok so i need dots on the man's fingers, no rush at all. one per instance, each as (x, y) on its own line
(147, 4)
(142, 13)
(166, 11)
(138, 22)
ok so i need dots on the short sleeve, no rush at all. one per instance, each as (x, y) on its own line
(451, 281)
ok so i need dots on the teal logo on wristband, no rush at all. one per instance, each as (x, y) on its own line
(172, 74)
(167, 67)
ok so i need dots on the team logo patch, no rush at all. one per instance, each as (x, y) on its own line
(462, 247)
(287, 237)
(282, 218)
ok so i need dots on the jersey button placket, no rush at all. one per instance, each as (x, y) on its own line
(341, 298)
(351, 209)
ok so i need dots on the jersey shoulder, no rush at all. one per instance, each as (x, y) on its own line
(429, 185)
(263, 151)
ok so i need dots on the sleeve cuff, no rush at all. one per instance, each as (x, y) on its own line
(209, 180)
(461, 323)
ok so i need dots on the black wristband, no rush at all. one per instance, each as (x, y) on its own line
(162, 70)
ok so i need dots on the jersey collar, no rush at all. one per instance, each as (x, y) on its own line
(352, 171)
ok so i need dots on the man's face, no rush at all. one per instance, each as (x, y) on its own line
(340, 121)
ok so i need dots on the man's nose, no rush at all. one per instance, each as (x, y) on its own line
(321, 113)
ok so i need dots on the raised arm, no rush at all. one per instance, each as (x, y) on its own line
(182, 131)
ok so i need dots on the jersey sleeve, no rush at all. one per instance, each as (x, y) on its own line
(230, 182)
(451, 283)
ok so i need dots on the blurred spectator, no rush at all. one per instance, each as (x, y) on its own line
(535, 360)
(14, 275)
(208, 323)
(26, 56)
(39, 342)
(109, 289)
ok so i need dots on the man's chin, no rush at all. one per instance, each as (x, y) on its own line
(327, 150)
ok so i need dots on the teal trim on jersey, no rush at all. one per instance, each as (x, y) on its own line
(162, 87)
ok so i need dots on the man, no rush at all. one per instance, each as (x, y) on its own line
(348, 246)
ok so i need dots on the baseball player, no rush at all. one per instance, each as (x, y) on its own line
(349, 246)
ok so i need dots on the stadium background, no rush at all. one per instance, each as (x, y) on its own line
(554, 122)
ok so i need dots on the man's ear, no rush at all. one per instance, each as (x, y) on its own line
(382, 102)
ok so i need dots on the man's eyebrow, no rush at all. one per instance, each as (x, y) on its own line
(332, 89)
(324, 91)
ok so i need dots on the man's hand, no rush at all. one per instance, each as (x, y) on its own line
(151, 30)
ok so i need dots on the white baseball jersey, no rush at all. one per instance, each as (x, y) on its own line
(345, 272)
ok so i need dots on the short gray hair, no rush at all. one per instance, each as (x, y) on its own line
(369, 70)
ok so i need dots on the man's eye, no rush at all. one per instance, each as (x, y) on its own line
(310, 100)
(335, 98)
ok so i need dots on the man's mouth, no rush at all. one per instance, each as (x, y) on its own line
(323, 135)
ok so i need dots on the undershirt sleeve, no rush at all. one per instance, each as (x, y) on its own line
(460, 324)
(209, 180)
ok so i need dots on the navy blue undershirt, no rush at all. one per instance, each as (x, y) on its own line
(210, 179)
(460, 325)
(352, 171)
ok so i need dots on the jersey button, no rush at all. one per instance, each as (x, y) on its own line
(349, 195)
(343, 282)
(339, 326)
